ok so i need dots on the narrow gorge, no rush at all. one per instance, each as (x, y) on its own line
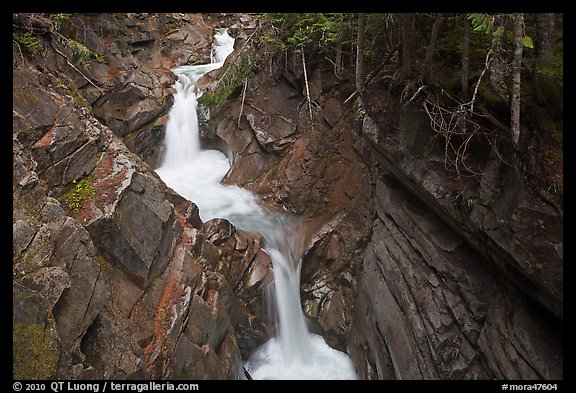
(178, 179)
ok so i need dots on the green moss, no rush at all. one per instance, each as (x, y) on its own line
(172, 26)
(78, 98)
(58, 19)
(29, 42)
(233, 77)
(80, 191)
(35, 353)
(81, 53)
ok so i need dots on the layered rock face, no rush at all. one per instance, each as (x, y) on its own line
(115, 275)
(430, 307)
(414, 271)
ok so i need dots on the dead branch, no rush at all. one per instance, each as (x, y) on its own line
(351, 95)
(457, 127)
(486, 65)
(19, 50)
(76, 69)
(236, 56)
(306, 83)
(242, 105)
(382, 65)
(415, 95)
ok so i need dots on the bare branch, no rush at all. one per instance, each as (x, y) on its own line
(306, 82)
(457, 128)
(76, 69)
(242, 105)
(415, 94)
(351, 95)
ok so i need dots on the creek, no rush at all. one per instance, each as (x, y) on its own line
(196, 174)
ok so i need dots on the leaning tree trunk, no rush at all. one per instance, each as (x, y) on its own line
(516, 78)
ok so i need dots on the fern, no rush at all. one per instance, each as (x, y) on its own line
(29, 42)
(81, 53)
(481, 23)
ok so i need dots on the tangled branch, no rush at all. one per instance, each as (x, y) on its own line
(457, 127)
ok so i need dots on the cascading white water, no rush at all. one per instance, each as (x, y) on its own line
(222, 47)
(196, 174)
(182, 144)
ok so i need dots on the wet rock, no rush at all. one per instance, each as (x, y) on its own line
(111, 354)
(50, 281)
(218, 230)
(168, 327)
(260, 273)
(78, 306)
(332, 111)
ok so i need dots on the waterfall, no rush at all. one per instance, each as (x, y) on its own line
(196, 174)
(223, 46)
(181, 141)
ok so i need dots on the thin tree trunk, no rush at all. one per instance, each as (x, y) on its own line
(338, 60)
(433, 39)
(360, 53)
(516, 78)
(466, 58)
(545, 32)
(498, 65)
(408, 29)
(548, 96)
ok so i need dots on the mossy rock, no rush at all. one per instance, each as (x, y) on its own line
(232, 79)
(36, 348)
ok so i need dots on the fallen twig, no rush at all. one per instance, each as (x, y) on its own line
(76, 69)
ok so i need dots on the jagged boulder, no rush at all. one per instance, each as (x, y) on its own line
(56, 260)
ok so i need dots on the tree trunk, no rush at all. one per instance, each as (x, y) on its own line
(338, 60)
(408, 28)
(543, 82)
(360, 53)
(545, 32)
(338, 64)
(466, 58)
(498, 65)
(432, 45)
(516, 78)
